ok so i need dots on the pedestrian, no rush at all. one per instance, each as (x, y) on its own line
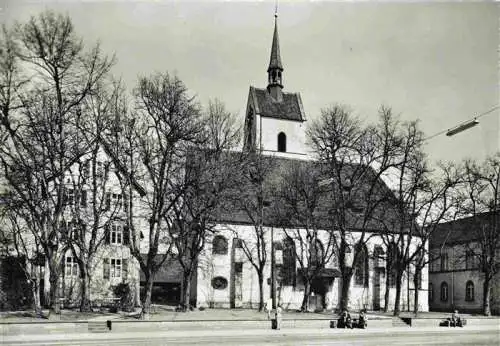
(278, 316)
(363, 320)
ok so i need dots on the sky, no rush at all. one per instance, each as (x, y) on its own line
(433, 62)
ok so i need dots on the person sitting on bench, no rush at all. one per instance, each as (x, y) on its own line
(456, 321)
(345, 320)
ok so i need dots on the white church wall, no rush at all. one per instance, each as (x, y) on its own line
(291, 296)
(294, 131)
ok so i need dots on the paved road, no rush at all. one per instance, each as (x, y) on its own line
(394, 336)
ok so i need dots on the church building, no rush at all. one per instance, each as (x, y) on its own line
(275, 126)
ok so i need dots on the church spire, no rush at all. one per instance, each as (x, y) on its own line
(275, 69)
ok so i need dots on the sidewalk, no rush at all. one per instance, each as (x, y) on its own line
(155, 334)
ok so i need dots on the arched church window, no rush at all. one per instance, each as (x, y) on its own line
(282, 142)
(361, 266)
(317, 254)
(289, 263)
(219, 245)
(469, 291)
(444, 291)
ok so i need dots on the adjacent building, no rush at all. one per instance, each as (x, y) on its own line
(456, 276)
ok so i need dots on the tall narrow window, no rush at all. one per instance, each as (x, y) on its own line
(361, 266)
(288, 262)
(282, 142)
(116, 267)
(469, 291)
(444, 291)
(444, 261)
(116, 234)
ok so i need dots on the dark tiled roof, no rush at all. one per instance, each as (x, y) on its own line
(289, 108)
(462, 230)
(236, 213)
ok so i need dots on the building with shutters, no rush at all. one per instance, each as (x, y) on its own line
(94, 201)
(275, 123)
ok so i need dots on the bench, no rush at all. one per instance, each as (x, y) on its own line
(355, 323)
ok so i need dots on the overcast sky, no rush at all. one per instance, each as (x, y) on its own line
(436, 62)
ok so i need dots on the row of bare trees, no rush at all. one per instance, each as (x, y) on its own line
(61, 112)
(375, 181)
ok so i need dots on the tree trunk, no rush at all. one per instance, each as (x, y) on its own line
(146, 300)
(486, 297)
(397, 299)
(54, 292)
(35, 291)
(46, 286)
(85, 292)
(345, 290)
(387, 290)
(186, 291)
(260, 276)
(305, 299)
(416, 290)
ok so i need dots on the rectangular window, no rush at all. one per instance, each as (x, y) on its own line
(116, 268)
(71, 266)
(116, 234)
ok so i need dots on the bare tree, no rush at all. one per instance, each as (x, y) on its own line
(355, 158)
(302, 214)
(43, 140)
(254, 200)
(168, 124)
(211, 182)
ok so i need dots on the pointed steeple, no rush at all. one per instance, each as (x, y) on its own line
(275, 61)
(275, 69)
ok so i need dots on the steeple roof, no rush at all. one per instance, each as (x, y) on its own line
(275, 61)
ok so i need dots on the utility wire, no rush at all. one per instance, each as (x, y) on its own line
(463, 122)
